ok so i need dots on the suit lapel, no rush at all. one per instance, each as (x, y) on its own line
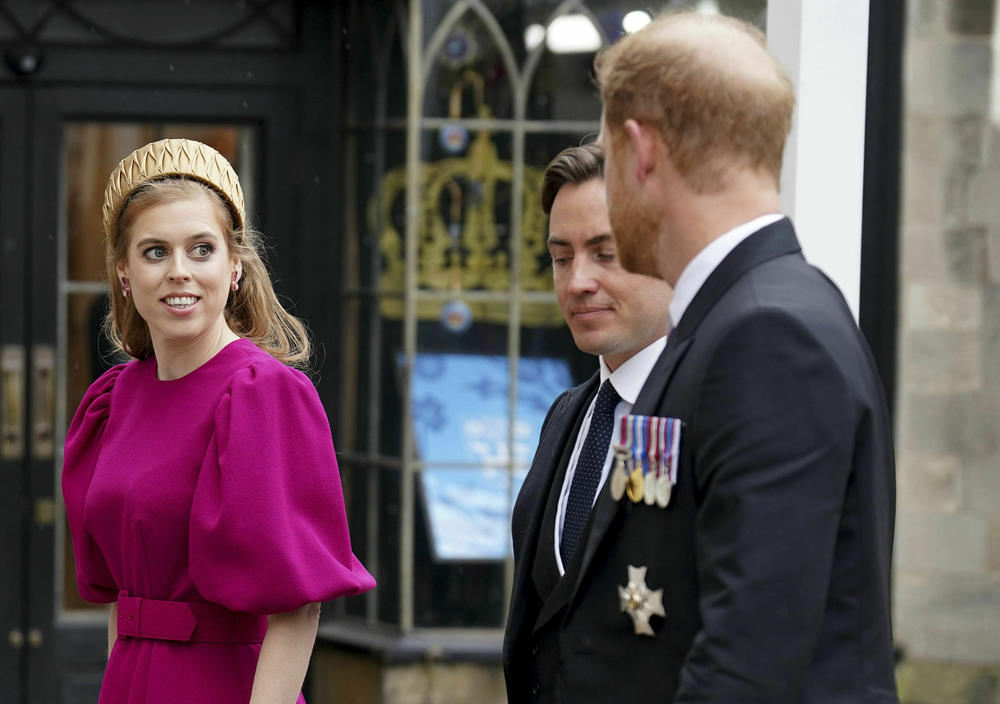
(606, 508)
(775, 240)
(545, 571)
(531, 500)
(646, 404)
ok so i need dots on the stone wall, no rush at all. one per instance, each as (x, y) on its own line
(947, 567)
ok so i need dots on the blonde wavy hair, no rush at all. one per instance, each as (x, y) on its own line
(253, 311)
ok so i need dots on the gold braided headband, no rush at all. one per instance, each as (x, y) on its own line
(171, 157)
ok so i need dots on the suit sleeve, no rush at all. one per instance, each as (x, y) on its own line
(774, 435)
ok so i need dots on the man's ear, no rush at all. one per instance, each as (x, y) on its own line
(644, 140)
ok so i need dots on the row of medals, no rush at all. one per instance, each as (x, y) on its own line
(628, 477)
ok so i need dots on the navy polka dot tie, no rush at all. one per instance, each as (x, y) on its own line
(589, 466)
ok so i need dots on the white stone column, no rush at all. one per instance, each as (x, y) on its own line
(824, 47)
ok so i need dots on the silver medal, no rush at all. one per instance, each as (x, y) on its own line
(663, 489)
(649, 490)
(640, 602)
(619, 477)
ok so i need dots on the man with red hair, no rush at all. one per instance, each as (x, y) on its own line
(764, 577)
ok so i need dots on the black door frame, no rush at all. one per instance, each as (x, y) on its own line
(879, 315)
(13, 470)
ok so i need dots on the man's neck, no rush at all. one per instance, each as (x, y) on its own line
(699, 218)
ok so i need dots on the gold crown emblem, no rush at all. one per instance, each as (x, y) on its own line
(172, 157)
(464, 239)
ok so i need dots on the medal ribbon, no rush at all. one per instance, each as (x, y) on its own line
(674, 441)
(653, 446)
(663, 451)
(638, 438)
(668, 457)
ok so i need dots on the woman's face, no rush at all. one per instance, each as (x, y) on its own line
(179, 267)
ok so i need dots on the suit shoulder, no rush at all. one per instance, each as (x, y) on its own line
(785, 326)
(798, 288)
(574, 392)
(566, 399)
(784, 293)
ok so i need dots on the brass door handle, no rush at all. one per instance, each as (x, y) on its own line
(16, 639)
(11, 402)
(43, 368)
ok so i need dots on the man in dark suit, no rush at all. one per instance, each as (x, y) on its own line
(623, 318)
(765, 578)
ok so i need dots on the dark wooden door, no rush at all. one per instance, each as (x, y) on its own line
(80, 87)
(77, 136)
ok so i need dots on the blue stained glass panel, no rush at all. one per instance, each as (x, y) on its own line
(460, 416)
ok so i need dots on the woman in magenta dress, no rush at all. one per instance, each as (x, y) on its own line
(200, 480)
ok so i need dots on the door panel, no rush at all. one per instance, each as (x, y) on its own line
(78, 136)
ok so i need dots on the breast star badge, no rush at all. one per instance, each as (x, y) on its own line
(640, 601)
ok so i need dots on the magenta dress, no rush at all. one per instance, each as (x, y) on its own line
(217, 492)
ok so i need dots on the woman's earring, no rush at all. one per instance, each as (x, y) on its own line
(235, 285)
(126, 289)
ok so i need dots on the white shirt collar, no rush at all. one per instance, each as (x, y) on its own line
(631, 375)
(705, 262)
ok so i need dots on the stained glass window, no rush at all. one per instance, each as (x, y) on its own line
(454, 346)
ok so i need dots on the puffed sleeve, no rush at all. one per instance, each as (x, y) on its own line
(268, 527)
(83, 446)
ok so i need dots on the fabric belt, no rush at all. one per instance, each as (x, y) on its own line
(192, 621)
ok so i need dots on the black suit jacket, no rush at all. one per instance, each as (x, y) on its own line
(774, 552)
